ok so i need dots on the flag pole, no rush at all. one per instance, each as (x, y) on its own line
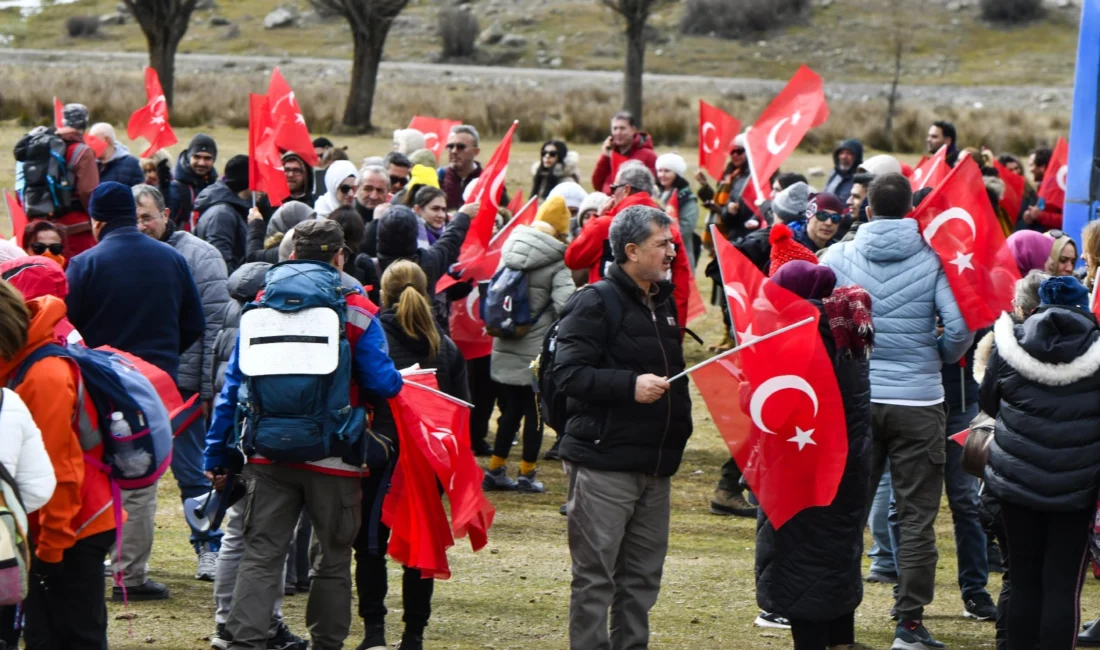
(752, 168)
(781, 330)
(440, 393)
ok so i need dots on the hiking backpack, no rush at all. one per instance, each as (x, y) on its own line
(505, 307)
(15, 555)
(49, 185)
(295, 402)
(551, 403)
(128, 416)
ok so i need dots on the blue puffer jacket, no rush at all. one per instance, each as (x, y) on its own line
(908, 288)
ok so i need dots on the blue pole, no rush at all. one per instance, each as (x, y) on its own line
(1081, 199)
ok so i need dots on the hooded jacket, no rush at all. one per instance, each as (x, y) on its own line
(908, 290)
(23, 454)
(122, 168)
(35, 277)
(840, 182)
(208, 271)
(223, 223)
(243, 286)
(263, 204)
(327, 203)
(81, 503)
(185, 188)
(549, 285)
(1040, 382)
(641, 149)
(564, 170)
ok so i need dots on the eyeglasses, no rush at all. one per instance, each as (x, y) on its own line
(346, 189)
(399, 181)
(616, 187)
(828, 216)
(456, 146)
(550, 153)
(293, 171)
(39, 248)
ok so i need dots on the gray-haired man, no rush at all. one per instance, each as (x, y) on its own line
(627, 426)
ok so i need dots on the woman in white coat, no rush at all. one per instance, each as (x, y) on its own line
(23, 454)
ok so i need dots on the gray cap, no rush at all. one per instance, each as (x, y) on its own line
(791, 203)
(75, 116)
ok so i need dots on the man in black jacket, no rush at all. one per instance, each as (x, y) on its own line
(625, 433)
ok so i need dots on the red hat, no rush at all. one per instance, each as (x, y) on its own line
(785, 248)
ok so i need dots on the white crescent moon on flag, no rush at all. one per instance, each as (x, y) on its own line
(1060, 177)
(495, 192)
(732, 292)
(431, 141)
(707, 149)
(917, 174)
(158, 106)
(948, 215)
(772, 386)
(924, 182)
(773, 146)
(471, 300)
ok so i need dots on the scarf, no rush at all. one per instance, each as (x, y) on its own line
(849, 312)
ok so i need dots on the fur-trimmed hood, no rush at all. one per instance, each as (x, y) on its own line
(1056, 346)
(561, 169)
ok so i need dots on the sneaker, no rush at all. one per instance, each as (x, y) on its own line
(882, 577)
(552, 452)
(527, 483)
(980, 607)
(730, 504)
(148, 591)
(497, 479)
(208, 564)
(564, 510)
(284, 639)
(481, 448)
(912, 635)
(221, 639)
(374, 638)
(411, 642)
(1090, 637)
(774, 621)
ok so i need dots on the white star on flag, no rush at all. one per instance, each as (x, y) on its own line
(803, 438)
(299, 119)
(962, 261)
(796, 117)
(157, 120)
(747, 336)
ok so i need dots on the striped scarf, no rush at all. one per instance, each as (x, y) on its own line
(849, 312)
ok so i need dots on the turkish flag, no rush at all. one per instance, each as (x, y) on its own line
(18, 218)
(58, 113)
(795, 110)
(435, 132)
(265, 164)
(489, 189)
(516, 203)
(151, 120)
(930, 171)
(717, 129)
(291, 133)
(1052, 191)
(1013, 200)
(958, 222)
(483, 266)
(787, 431)
(434, 438)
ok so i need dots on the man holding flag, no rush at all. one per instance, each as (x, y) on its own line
(909, 289)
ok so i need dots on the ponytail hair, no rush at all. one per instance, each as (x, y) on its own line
(405, 288)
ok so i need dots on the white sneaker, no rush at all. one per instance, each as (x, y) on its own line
(208, 565)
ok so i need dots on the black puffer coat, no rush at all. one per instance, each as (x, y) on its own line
(244, 284)
(809, 569)
(1042, 385)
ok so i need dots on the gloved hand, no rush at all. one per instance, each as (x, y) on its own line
(459, 290)
(44, 569)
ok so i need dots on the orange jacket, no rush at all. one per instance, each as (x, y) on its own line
(81, 504)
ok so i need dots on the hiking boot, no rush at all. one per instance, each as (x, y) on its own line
(1090, 637)
(882, 577)
(527, 483)
(773, 621)
(374, 638)
(411, 642)
(730, 504)
(912, 635)
(724, 345)
(481, 448)
(497, 479)
(221, 639)
(148, 591)
(552, 452)
(564, 510)
(208, 564)
(980, 607)
(284, 639)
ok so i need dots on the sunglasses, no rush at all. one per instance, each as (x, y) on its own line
(399, 181)
(39, 248)
(617, 187)
(456, 146)
(829, 216)
(346, 189)
(737, 152)
(550, 152)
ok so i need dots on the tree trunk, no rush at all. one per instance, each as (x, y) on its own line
(893, 99)
(162, 58)
(635, 65)
(364, 79)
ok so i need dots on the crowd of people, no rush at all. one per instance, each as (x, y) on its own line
(188, 269)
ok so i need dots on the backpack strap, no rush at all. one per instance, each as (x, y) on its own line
(75, 150)
(613, 304)
(48, 350)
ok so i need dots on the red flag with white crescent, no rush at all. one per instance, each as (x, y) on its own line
(482, 267)
(717, 129)
(931, 171)
(151, 120)
(1052, 191)
(18, 217)
(489, 189)
(435, 130)
(777, 405)
(1015, 184)
(291, 132)
(265, 164)
(958, 222)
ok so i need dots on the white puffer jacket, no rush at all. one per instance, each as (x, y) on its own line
(23, 454)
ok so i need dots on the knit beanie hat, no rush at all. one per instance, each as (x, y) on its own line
(203, 143)
(790, 204)
(236, 173)
(573, 194)
(806, 279)
(75, 116)
(424, 157)
(555, 213)
(423, 175)
(786, 249)
(823, 201)
(1064, 291)
(112, 202)
(673, 162)
(593, 201)
(397, 232)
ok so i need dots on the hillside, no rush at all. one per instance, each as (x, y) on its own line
(844, 40)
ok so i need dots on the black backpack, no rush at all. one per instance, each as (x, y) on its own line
(49, 186)
(552, 403)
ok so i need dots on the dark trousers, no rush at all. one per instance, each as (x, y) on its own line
(730, 480)
(821, 635)
(68, 611)
(370, 565)
(483, 393)
(1048, 553)
(517, 403)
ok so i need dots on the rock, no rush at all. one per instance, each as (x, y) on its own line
(122, 8)
(815, 172)
(604, 49)
(555, 62)
(659, 52)
(205, 5)
(233, 31)
(560, 40)
(281, 17)
(513, 40)
(219, 21)
(825, 4)
(492, 34)
(114, 18)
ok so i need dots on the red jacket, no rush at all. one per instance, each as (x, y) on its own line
(641, 149)
(592, 248)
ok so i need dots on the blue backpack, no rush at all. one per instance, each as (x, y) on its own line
(295, 402)
(137, 447)
(505, 308)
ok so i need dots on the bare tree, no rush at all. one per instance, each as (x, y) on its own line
(636, 14)
(899, 40)
(164, 23)
(370, 22)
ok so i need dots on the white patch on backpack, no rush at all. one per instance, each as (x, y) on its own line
(304, 342)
